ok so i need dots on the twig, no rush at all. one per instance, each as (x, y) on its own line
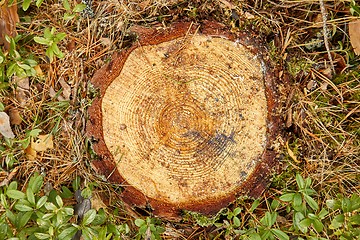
(325, 33)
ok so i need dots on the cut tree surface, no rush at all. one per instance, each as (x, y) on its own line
(185, 119)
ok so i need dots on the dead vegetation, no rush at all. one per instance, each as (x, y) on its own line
(322, 113)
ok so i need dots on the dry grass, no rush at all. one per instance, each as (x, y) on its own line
(322, 111)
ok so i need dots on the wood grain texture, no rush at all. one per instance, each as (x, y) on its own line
(186, 119)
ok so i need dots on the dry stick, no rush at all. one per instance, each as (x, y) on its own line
(325, 33)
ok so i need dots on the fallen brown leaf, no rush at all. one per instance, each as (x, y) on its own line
(97, 202)
(43, 143)
(354, 32)
(291, 153)
(38, 70)
(15, 117)
(22, 89)
(5, 128)
(30, 153)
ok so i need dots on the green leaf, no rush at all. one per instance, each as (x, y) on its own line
(337, 222)
(355, 219)
(312, 203)
(89, 216)
(30, 196)
(68, 211)
(280, 234)
(24, 219)
(300, 181)
(1, 59)
(15, 194)
(42, 235)
(333, 204)
(47, 216)
(306, 222)
(26, 4)
(34, 133)
(139, 222)
(43, 41)
(38, 3)
(60, 36)
(318, 225)
(68, 233)
(79, 7)
(36, 181)
(307, 183)
(24, 66)
(254, 236)
(3, 201)
(59, 201)
(255, 204)
(100, 217)
(50, 206)
(266, 234)
(56, 49)
(66, 5)
(322, 214)
(11, 216)
(50, 54)
(297, 201)
(41, 202)
(237, 211)
(11, 69)
(308, 191)
(287, 197)
(30, 62)
(68, 16)
(48, 34)
(269, 219)
(143, 229)
(23, 208)
(2, 107)
(274, 204)
(88, 233)
(236, 222)
(66, 193)
(20, 72)
(86, 192)
(76, 183)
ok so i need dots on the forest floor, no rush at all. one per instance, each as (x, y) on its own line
(44, 88)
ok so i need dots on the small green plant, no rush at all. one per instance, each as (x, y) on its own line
(232, 222)
(354, 8)
(306, 209)
(267, 230)
(28, 215)
(22, 210)
(50, 39)
(149, 228)
(302, 196)
(346, 220)
(26, 4)
(71, 12)
(12, 63)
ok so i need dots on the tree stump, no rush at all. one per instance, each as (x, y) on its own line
(186, 119)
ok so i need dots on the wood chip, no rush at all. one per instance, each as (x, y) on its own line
(354, 32)
(9, 18)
